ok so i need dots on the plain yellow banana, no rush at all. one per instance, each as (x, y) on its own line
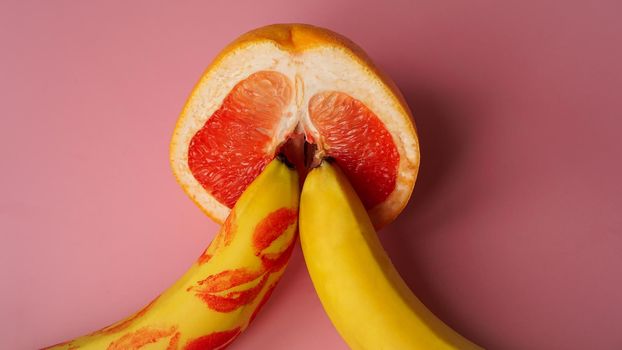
(362, 293)
(221, 293)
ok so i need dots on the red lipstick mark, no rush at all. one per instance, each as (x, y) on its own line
(222, 239)
(119, 326)
(220, 282)
(213, 289)
(229, 228)
(272, 227)
(227, 279)
(174, 342)
(205, 257)
(142, 337)
(269, 230)
(213, 341)
(275, 261)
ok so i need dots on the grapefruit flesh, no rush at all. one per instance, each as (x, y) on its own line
(232, 148)
(354, 136)
(241, 137)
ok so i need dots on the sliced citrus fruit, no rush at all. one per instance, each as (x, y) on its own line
(292, 82)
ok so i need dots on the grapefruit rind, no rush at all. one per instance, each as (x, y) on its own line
(315, 60)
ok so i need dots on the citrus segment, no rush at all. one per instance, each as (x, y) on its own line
(359, 142)
(233, 146)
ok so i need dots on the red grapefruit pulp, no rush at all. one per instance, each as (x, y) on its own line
(244, 134)
(232, 147)
(359, 142)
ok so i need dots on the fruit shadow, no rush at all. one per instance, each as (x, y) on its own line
(442, 142)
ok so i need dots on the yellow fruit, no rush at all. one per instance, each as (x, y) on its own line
(362, 293)
(217, 298)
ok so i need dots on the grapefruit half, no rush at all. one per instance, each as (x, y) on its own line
(305, 92)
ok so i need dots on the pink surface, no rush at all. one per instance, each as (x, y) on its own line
(513, 235)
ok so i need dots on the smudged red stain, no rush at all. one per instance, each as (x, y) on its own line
(263, 301)
(119, 326)
(266, 232)
(229, 228)
(275, 261)
(222, 239)
(213, 341)
(174, 342)
(228, 279)
(205, 257)
(142, 337)
(233, 300)
(208, 253)
(272, 227)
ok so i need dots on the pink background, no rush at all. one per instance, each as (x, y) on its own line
(513, 235)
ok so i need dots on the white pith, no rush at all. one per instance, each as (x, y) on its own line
(319, 69)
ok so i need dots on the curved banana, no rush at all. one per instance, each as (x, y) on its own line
(216, 299)
(362, 293)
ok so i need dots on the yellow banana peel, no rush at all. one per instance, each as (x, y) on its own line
(217, 298)
(361, 291)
